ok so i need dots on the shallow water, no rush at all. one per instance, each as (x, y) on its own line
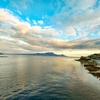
(46, 78)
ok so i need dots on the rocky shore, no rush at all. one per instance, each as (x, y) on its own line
(91, 63)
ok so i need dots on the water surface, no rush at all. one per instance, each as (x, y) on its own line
(46, 78)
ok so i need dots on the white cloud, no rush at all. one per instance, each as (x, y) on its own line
(40, 22)
(20, 4)
(79, 4)
(77, 19)
(8, 17)
(19, 36)
(19, 12)
(47, 30)
(70, 31)
(27, 19)
(23, 34)
(80, 15)
(34, 22)
(21, 28)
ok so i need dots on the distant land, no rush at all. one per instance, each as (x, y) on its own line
(1, 53)
(43, 54)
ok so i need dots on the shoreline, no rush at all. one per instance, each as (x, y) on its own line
(91, 64)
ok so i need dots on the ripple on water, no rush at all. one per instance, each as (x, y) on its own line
(49, 79)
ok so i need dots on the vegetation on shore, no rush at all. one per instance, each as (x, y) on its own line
(91, 64)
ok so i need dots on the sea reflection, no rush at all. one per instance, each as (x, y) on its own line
(46, 78)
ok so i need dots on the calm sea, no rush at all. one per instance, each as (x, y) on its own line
(46, 78)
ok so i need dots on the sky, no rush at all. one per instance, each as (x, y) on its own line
(67, 27)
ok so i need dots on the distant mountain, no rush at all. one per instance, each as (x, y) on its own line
(1, 53)
(49, 54)
(44, 54)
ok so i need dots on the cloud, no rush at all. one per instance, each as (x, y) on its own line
(22, 37)
(88, 17)
(8, 17)
(93, 28)
(9, 45)
(77, 44)
(40, 22)
(80, 14)
(27, 19)
(47, 30)
(88, 44)
(83, 4)
(34, 22)
(21, 28)
(19, 12)
(20, 4)
(70, 31)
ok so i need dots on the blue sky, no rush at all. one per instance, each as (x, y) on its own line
(28, 26)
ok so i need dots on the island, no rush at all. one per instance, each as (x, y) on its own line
(43, 54)
(91, 63)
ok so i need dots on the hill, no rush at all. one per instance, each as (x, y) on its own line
(44, 54)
